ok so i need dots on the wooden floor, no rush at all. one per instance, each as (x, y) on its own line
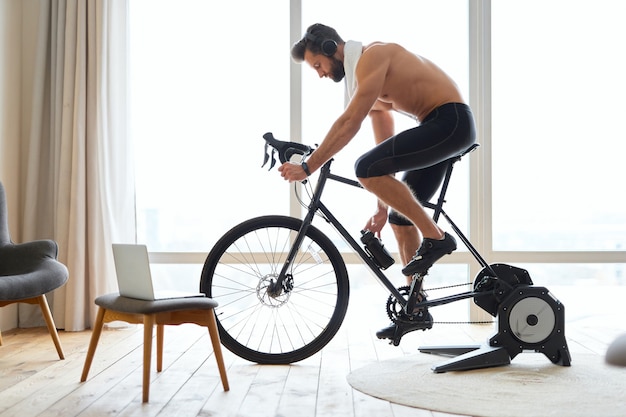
(34, 382)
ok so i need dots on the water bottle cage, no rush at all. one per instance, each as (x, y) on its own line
(376, 250)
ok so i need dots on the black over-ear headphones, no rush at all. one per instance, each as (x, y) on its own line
(328, 46)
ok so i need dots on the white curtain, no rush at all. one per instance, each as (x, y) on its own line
(76, 165)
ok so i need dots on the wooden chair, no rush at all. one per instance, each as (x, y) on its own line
(175, 311)
(28, 271)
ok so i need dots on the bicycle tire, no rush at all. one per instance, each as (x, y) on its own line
(292, 326)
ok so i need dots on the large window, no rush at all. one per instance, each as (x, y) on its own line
(208, 80)
(558, 137)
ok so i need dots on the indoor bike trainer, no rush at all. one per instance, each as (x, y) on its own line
(528, 318)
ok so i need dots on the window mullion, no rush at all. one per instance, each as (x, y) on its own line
(480, 162)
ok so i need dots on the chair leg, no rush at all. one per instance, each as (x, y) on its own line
(93, 343)
(148, 324)
(217, 350)
(159, 347)
(47, 315)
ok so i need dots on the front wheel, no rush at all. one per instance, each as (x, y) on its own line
(275, 327)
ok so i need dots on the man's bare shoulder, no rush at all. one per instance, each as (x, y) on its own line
(379, 52)
(377, 48)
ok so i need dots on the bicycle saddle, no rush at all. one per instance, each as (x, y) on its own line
(285, 149)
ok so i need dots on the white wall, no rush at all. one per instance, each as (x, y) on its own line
(10, 103)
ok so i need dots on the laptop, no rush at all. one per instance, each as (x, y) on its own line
(134, 279)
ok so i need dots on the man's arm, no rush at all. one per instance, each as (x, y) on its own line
(370, 75)
(382, 123)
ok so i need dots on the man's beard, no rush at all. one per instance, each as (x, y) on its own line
(337, 70)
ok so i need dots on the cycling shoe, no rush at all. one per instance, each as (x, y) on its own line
(429, 252)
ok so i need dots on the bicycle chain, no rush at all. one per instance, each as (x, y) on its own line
(457, 322)
(448, 286)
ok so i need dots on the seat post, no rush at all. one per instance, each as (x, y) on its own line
(438, 208)
(444, 188)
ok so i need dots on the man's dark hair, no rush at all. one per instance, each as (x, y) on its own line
(313, 39)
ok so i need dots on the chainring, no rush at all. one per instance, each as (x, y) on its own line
(394, 308)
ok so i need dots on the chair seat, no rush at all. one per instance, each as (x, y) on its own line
(50, 276)
(123, 304)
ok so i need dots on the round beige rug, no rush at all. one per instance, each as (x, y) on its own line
(530, 386)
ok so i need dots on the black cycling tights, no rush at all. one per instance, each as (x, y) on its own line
(445, 133)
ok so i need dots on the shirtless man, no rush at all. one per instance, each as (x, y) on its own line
(381, 78)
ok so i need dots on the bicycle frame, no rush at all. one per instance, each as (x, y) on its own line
(316, 205)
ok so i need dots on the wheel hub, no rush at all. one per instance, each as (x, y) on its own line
(269, 295)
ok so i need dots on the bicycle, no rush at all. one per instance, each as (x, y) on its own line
(283, 289)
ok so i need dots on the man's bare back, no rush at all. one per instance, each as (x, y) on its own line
(412, 84)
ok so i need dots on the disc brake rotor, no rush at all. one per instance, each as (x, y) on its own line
(262, 292)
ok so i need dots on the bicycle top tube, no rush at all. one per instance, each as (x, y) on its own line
(341, 179)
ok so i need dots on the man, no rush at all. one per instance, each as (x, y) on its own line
(381, 78)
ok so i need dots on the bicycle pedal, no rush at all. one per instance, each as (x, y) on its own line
(407, 325)
(416, 325)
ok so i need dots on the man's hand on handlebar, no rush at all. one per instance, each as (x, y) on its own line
(289, 171)
(292, 172)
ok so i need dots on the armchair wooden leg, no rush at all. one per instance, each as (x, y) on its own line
(93, 343)
(47, 315)
(148, 324)
(217, 350)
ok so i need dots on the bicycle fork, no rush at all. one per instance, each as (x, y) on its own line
(284, 282)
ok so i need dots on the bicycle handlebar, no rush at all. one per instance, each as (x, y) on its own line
(285, 149)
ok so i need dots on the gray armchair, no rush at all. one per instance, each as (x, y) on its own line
(28, 271)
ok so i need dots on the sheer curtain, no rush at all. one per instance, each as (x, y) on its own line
(76, 169)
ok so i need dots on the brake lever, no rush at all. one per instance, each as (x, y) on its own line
(266, 157)
(273, 160)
